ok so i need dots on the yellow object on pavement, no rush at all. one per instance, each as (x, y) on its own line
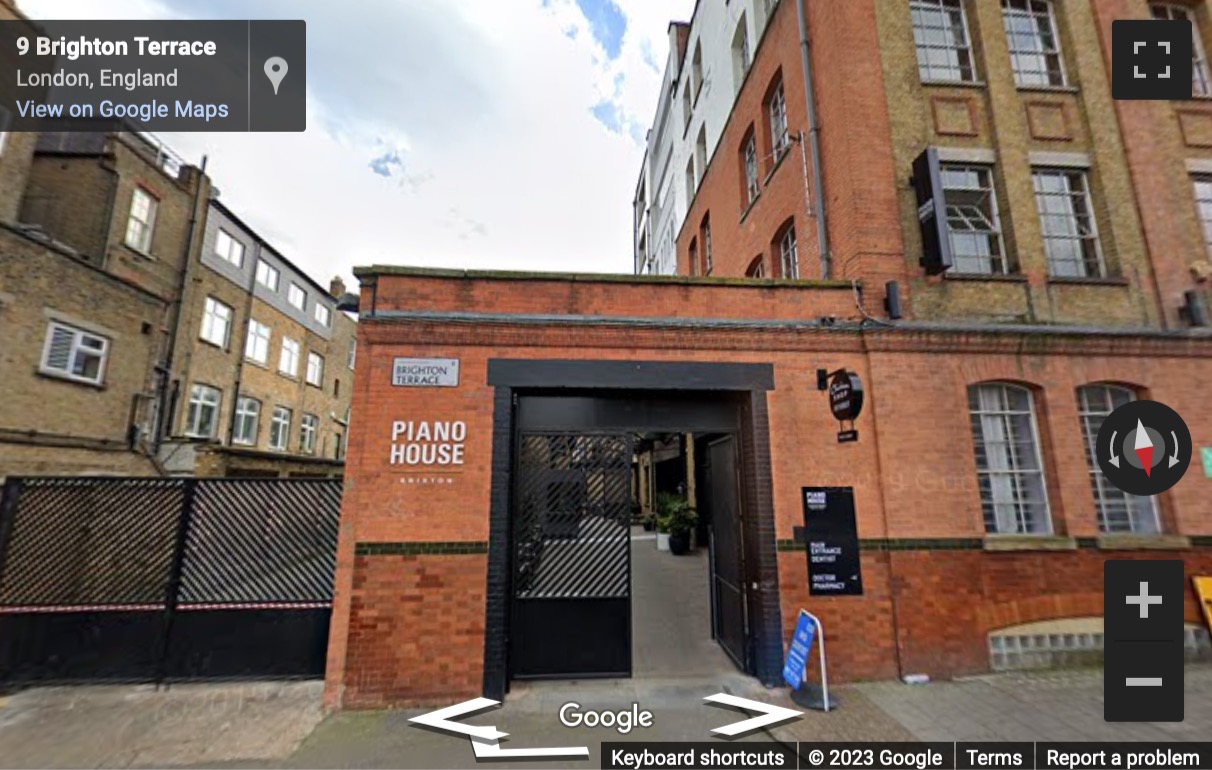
(1203, 589)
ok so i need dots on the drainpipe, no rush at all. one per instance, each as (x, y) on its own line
(165, 417)
(814, 146)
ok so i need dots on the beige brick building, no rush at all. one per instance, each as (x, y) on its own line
(148, 330)
(265, 362)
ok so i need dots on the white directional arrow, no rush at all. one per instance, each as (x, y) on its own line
(1174, 457)
(1114, 457)
(494, 751)
(770, 714)
(438, 719)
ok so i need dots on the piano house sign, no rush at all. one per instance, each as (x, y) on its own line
(434, 445)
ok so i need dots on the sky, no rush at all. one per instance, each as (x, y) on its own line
(471, 134)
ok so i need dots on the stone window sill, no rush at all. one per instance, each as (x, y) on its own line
(777, 163)
(979, 84)
(1049, 89)
(51, 374)
(1029, 543)
(978, 277)
(1129, 542)
(1067, 280)
(137, 252)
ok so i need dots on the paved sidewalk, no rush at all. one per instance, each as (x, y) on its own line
(1037, 706)
(138, 725)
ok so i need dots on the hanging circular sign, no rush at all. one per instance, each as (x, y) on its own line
(846, 396)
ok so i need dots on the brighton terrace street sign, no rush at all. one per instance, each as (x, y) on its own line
(425, 373)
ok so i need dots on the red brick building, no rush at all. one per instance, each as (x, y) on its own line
(1061, 276)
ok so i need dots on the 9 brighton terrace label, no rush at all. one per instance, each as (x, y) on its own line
(425, 373)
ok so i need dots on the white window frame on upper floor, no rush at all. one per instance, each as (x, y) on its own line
(217, 319)
(293, 291)
(1043, 51)
(81, 345)
(228, 248)
(323, 315)
(266, 272)
(964, 62)
(288, 359)
(315, 369)
(141, 225)
(258, 342)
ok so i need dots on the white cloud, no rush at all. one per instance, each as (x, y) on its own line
(483, 108)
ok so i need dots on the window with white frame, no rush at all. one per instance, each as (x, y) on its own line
(323, 314)
(142, 221)
(691, 184)
(752, 186)
(1203, 202)
(268, 275)
(297, 296)
(1067, 223)
(315, 369)
(202, 414)
(940, 32)
(1118, 511)
(216, 322)
(780, 140)
(279, 428)
(74, 354)
(256, 348)
(1009, 468)
(248, 418)
(288, 361)
(708, 262)
(353, 353)
(309, 427)
(1035, 51)
(788, 253)
(228, 248)
(1201, 84)
(972, 222)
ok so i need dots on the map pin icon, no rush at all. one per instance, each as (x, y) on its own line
(275, 70)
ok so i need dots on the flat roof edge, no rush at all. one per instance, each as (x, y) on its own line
(374, 271)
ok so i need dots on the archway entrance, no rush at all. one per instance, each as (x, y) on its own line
(566, 542)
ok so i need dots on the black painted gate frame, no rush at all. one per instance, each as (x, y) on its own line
(749, 382)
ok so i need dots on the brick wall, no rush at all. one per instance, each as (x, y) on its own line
(911, 486)
(201, 362)
(871, 133)
(38, 285)
(1160, 138)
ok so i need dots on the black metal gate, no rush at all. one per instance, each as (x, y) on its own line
(165, 579)
(728, 616)
(571, 612)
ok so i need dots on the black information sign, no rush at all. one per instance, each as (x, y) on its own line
(846, 396)
(832, 542)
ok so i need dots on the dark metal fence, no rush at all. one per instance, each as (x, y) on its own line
(165, 579)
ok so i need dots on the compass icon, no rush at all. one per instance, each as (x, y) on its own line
(1144, 448)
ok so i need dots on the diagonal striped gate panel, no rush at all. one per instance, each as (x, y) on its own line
(149, 579)
(257, 541)
(572, 556)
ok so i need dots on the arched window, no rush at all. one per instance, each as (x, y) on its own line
(785, 246)
(757, 268)
(1009, 467)
(1118, 511)
(694, 257)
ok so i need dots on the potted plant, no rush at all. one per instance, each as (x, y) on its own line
(678, 519)
(649, 521)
